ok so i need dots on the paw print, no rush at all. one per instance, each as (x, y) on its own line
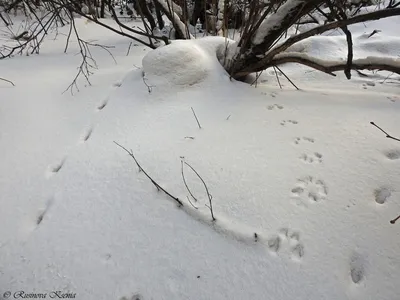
(310, 189)
(284, 122)
(312, 158)
(275, 106)
(286, 242)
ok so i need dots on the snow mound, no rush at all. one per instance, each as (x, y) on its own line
(184, 63)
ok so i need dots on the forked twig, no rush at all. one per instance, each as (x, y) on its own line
(207, 191)
(148, 176)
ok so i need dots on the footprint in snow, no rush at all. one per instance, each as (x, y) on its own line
(86, 134)
(309, 189)
(102, 103)
(357, 270)
(393, 154)
(275, 106)
(43, 211)
(393, 98)
(286, 241)
(284, 122)
(314, 158)
(54, 169)
(300, 140)
(133, 297)
(382, 195)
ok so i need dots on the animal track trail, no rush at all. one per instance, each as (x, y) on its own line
(309, 189)
(275, 106)
(86, 134)
(44, 211)
(393, 154)
(356, 268)
(293, 122)
(300, 140)
(314, 158)
(54, 169)
(382, 195)
(133, 297)
(393, 98)
(103, 103)
(286, 242)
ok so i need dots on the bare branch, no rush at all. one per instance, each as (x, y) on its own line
(147, 175)
(6, 80)
(197, 120)
(387, 134)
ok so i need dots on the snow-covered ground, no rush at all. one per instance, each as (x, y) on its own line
(303, 186)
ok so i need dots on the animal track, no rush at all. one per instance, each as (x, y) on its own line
(312, 158)
(52, 170)
(357, 272)
(43, 212)
(275, 106)
(86, 135)
(299, 140)
(382, 195)
(133, 297)
(289, 240)
(393, 154)
(102, 104)
(393, 98)
(284, 122)
(311, 189)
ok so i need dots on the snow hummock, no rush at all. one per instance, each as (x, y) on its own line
(184, 62)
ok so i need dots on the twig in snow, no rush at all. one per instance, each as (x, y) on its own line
(207, 191)
(287, 78)
(374, 32)
(148, 176)
(189, 137)
(277, 78)
(394, 220)
(197, 120)
(184, 181)
(387, 134)
(6, 80)
(129, 48)
(149, 87)
(228, 117)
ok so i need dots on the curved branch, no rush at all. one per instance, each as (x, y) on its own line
(368, 63)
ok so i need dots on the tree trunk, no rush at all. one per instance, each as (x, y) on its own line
(159, 15)
(198, 12)
(141, 7)
(102, 9)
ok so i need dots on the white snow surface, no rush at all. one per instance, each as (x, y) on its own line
(304, 170)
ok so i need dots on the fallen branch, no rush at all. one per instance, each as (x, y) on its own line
(369, 63)
(394, 220)
(197, 120)
(6, 80)
(387, 134)
(180, 203)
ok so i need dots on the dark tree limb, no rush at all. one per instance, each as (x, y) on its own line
(387, 134)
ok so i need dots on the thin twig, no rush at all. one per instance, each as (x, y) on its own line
(394, 220)
(184, 181)
(387, 134)
(205, 186)
(6, 80)
(287, 78)
(277, 78)
(197, 120)
(147, 175)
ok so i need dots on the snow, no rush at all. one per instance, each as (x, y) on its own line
(304, 170)
(274, 20)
